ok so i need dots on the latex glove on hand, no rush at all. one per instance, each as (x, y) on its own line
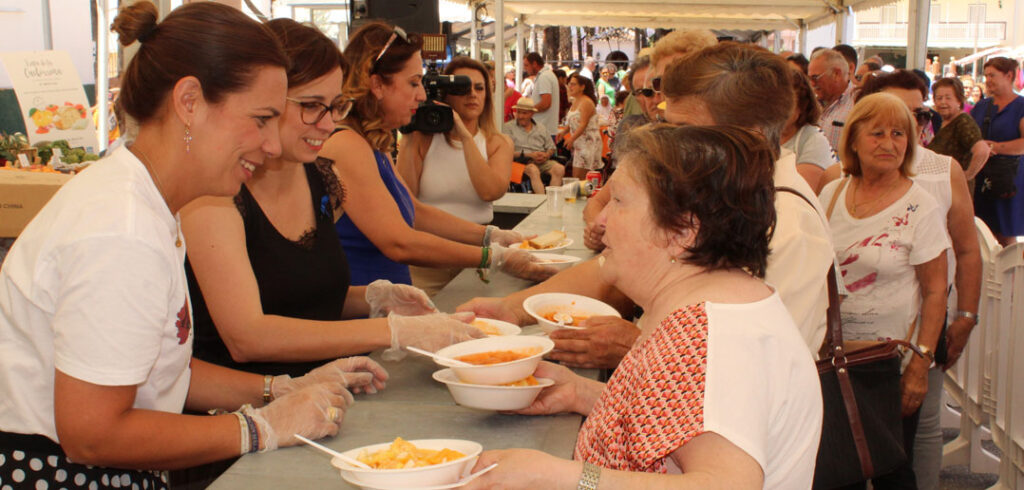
(505, 237)
(358, 374)
(429, 332)
(314, 411)
(385, 297)
(519, 264)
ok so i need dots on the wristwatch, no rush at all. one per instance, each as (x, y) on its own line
(968, 315)
(928, 354)
(590, 477)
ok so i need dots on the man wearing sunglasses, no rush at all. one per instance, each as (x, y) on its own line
(830, 77)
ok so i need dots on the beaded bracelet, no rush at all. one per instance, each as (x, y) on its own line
(254, 434)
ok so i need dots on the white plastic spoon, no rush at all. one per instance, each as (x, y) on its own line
(449, 360)
(336, 454)
(473, 476)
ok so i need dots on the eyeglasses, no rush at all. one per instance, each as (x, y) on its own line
(643, 92)
(656, 84)
(398, 32)
(313, 111)
(923, 115)
(859, 77)
(814, 78)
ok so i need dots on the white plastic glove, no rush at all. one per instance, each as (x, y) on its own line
(429, 332)
(519, 264)
(385, 297)
(358, 374)
(505, 237)
(314, 412)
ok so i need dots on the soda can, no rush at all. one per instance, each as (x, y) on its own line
(594, 177)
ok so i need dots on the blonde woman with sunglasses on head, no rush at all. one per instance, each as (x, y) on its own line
(269, 279)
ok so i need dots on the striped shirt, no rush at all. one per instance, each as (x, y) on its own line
(833, 117)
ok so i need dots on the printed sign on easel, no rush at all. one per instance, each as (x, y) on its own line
(53, 102)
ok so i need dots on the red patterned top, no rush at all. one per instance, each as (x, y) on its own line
(654, 403)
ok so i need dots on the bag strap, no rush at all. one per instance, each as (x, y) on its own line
(986, 123)
(835, 197)
(834, 341)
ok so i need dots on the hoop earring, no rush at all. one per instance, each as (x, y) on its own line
(188, 138)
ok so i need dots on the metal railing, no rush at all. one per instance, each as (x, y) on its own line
(963, 32)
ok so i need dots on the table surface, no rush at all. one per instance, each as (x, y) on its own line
(414, 406)
(518, 202)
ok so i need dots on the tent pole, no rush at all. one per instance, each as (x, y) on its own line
(520, 49)
(102, 80)
(917, 33)
(499, 59)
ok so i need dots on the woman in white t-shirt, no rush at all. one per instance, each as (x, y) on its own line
(719, 390)
(891, 245)
(462, 171)
(95, 320)
(802, 135)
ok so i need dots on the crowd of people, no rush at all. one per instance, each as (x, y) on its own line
(315, 236)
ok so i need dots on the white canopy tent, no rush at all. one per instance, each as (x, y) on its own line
(798, 15)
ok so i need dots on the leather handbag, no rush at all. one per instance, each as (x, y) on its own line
(862, 425)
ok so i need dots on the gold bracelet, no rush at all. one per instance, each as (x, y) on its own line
(268, 389)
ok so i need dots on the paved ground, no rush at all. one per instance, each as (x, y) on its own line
(959, 477)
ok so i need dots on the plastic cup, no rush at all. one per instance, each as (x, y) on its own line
(569, 192)
(555, 200)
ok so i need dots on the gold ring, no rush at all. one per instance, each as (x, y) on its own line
(332, 414)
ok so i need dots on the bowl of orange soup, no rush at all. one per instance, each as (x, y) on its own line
(410, 464)
(563, 310)
(496, 360)
(516, 395)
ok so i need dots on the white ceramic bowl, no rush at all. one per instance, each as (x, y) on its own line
(490, 325)
(560, 246)
(557, 261)
(539, 305)
(489, 397)
(497, 374)
(426, 476)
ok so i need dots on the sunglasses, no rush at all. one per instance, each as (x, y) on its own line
(312, 111)
(396, 33)
(643, 92)
(922, 115)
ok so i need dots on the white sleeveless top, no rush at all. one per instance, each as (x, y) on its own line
(445, 184)
(931, 171)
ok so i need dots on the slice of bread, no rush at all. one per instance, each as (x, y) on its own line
(547, 240)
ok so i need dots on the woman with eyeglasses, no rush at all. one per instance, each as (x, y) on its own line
(461, 171)
(269, 278)
(385, 228)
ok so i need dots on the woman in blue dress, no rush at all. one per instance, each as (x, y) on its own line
(1005, 135)
(385, 229)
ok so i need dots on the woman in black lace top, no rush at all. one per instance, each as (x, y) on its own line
(267, 275)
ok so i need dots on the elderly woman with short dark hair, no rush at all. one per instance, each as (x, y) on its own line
(719, 386)
(960, 136)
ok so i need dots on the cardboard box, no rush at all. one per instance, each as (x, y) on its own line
(22, 195)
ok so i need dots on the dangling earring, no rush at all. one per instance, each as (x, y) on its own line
(672, 260)
(188, 138)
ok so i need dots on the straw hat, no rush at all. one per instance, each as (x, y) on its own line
(525, 104)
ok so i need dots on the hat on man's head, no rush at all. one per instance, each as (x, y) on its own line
(525, 104)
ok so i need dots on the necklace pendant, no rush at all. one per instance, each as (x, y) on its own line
(177, 243)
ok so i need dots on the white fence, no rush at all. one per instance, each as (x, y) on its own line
(988, 381)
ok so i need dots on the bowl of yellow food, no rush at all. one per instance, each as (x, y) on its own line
(495, 328)
(496, 360)
(509, 396)
(563, 310)
(410, 464)
(558, 261)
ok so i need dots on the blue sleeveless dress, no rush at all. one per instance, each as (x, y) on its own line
(1005, 216)
(366, 262)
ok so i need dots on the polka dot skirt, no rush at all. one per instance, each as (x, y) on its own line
(37, 466)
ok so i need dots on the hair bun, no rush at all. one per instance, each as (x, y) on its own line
(135, 22)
